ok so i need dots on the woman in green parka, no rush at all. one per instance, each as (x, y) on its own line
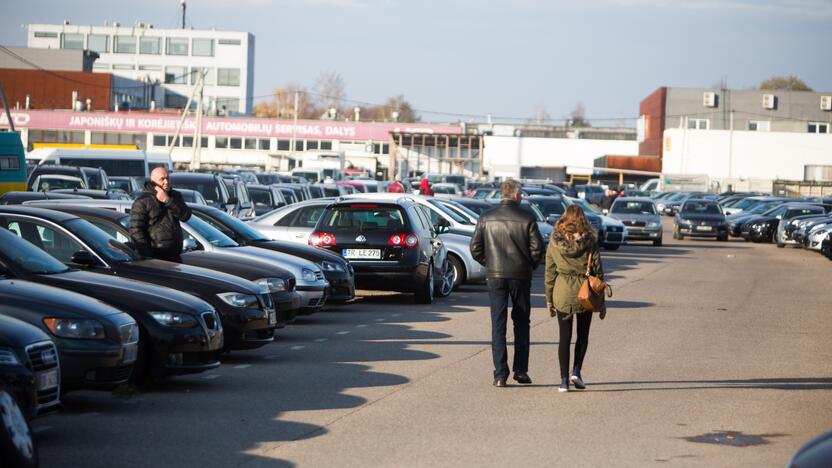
(572, 243)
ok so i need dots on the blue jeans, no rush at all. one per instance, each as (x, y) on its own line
(500, 290)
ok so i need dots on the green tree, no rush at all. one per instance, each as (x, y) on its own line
(787, 83)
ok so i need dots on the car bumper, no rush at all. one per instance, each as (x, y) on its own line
(245, 328)
(102, 369)
(312, 298)
(716, 232)
(389, 276)
(184, 351)
(341, 286)
(286, 305)
(634, 233)
(613, 238)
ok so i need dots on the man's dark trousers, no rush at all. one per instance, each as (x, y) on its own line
(519, 291)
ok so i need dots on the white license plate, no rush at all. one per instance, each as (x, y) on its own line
(272, 317)
(48, 379)
(704, 228)
(368, 254)
(130, 353)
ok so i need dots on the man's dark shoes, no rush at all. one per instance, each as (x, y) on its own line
(522, 377)
(500, 382)
(577, 380)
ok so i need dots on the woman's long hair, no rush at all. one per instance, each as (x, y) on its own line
(573, 224)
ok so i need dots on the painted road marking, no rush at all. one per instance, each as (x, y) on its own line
(343, 332)
(243, 366)
(297, 348)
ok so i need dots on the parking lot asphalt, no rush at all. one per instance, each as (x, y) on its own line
(702, 338)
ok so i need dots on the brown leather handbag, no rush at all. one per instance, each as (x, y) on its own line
(591, 295)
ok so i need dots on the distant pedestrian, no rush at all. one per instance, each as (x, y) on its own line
(424, 188)
(572, 247)
(396, 186)
(508, 243)
(155, 217)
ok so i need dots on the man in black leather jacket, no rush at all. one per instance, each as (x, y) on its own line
(155, 216)
(508, 243)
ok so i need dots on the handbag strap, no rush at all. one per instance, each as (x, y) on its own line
(588, 262)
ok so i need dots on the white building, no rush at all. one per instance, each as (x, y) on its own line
(170, 58)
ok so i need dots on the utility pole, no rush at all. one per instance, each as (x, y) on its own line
(295, 128)
(183, 6)
(197, 148)
(731, 144)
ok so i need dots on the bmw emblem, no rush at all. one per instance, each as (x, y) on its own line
(361, 239)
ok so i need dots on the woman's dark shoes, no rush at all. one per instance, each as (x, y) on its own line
(500, 382)
(564, 385)
(577, 380)
(522, 377)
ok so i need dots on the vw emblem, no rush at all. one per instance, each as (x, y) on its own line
(361, 239)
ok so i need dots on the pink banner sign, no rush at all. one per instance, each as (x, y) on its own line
(142, 122)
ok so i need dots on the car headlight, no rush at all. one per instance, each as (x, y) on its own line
(174, 319)
(309, 275)
(684, 222)
(8, 357)
(239, 299)
(653, 225)
(271, 284)
(82, 329)
(660, 206)
(331, 266)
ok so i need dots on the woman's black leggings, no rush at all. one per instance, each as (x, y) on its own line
(581, 343)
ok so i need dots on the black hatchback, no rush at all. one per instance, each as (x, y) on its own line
(390, 244)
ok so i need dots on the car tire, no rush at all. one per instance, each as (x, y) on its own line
(448, 280)
(425, 294)
(722, 238)
(459, 270)
(17, 445)
(657, 242)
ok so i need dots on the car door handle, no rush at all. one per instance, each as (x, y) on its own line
(300, 235)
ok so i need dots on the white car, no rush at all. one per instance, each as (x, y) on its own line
(293, 222)
(47, 182)
(816, 236)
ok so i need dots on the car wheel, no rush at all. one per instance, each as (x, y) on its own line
(657, 242)
(16, 443)
(679, 235)
(722, 238)
(425, 294)
(446, 285)
(459, 270)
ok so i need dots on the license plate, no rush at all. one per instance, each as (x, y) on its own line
(370, 254)
(48, 379)
(130, 353)
(272, 317)
(704, 228)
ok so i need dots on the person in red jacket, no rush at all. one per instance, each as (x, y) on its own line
(424, 188)
(396, 186)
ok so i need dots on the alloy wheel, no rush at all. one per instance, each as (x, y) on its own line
(16, 426)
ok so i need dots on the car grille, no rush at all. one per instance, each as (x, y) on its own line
(595, 222)
(43, 357)
(266, 301)
(129, 333)
(635, 223)
(615, 229)
(110, 374)
(319, 275)
(212, 321)
(291, 284)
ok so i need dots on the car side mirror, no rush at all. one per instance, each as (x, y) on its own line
(84, 258)
(189, 245)
(779, 217)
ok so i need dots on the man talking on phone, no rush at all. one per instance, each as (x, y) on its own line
(155, 216)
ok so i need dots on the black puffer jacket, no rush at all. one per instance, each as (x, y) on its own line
(154, 226)
(507, 242)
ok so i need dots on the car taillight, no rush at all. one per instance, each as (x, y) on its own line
(321, 239)
(403, 240)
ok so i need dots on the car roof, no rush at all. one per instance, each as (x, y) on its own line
(635, 199)
(401, 200)
(194, 175)
(52, 215)
(84, 202)
(92, 210)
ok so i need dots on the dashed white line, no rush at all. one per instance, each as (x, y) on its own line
(211, 376)
(321, 340)
(273, 356)
(297, 348)
(343, 332)
(379, 320)
(361, 326)
(243, 366)
(397, 315)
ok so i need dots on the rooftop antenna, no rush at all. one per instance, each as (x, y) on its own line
(183, 6)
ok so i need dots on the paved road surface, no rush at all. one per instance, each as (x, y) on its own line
(702, 337)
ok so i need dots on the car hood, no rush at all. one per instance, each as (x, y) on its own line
(188, 278)
(268, 257)
(609, 220)
(250, 270)
(125, 293)
(44, 298)
(19, 334)
(702, 217)
(312, 254)
(762, 219)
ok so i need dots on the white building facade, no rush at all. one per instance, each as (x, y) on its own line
(168, 60)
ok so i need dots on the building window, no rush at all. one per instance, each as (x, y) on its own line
(203, 142)
(759, 125)
(110, 138)
(228, 76)
(51, 35)
(9, 163)
(176, 75)
(818, 127)
(72, 41)
(98, 43)
(283, 145)
(123, 66)
(150, 45)
(326, 145)
(177, 46)
(150, 67)
(125, 45)
(311, 144)
(100, 67)
(221, 142)
(187, 141)
(235, 143)
(250, 143)
(228, 104)
(299, 145)
(203, 48)
(229, 42)
(263, 144)
(209, 75)
(159, 140)
(698, 124)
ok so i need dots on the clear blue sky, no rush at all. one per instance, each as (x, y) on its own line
(506, 58)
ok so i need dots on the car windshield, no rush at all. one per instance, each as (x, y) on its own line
(261, 197)
(678, 197)
(550, 207)
(46, 183)
(765, 208)
(448, 189)
(364, 217)
(701, 208)
(209, 191)
(239, 227)
(464, 209)
(534, 210)
(104, 245)
(455, 216)
(745, 203)
(210, 233)
(587, 207)
(634, 207)
(28, 257)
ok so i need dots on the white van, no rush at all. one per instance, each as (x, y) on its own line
(130, 163)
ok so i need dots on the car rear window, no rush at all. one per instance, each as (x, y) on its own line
(364, 216)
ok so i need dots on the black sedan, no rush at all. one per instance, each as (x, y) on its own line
(279, 282)
(245, 308)
(180, 334)
(700, 218)
(338, 271)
